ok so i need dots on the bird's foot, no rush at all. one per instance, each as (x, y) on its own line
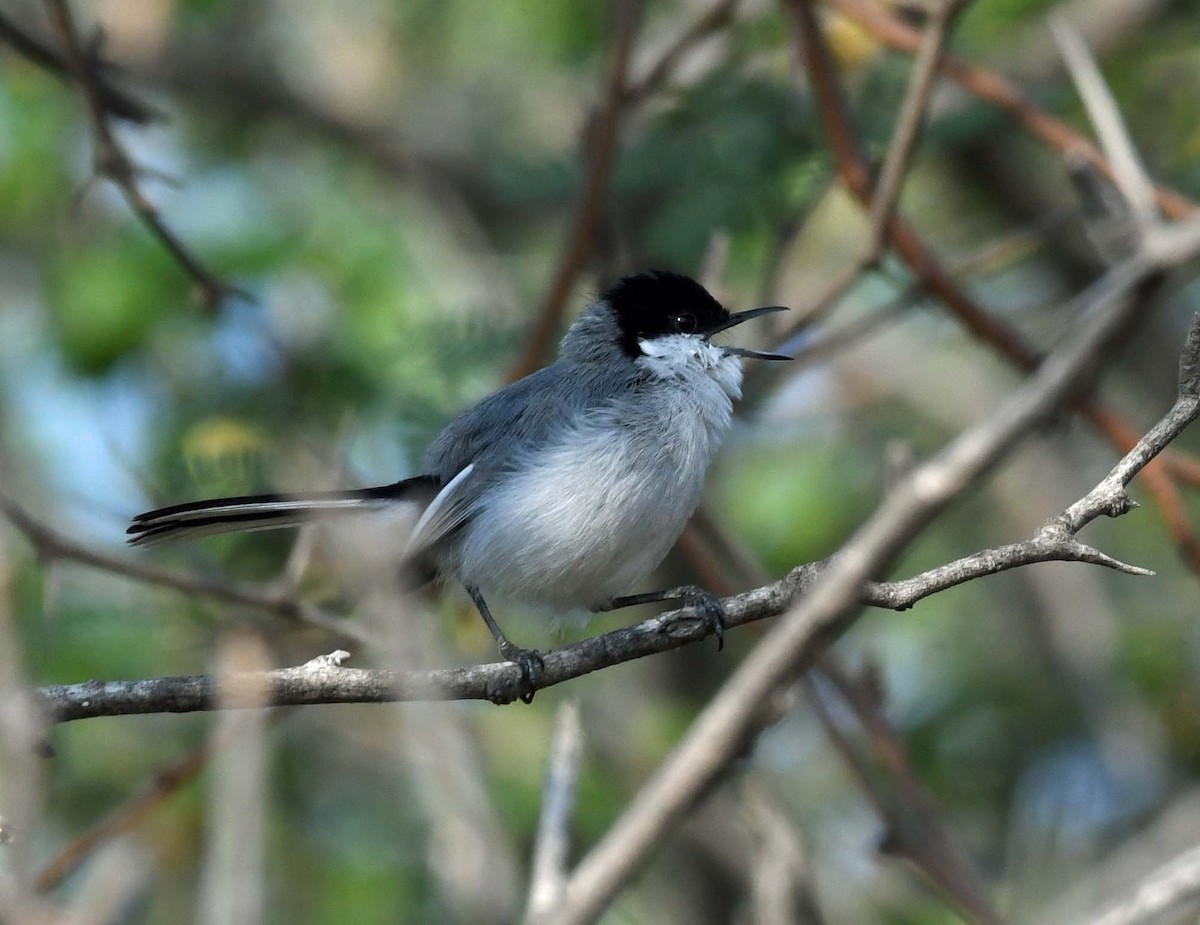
(710, 608)
(532, 668)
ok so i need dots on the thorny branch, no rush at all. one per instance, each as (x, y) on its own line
(112, 161)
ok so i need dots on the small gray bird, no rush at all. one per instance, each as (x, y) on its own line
(566, 488)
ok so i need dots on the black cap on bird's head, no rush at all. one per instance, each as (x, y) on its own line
(660, 303)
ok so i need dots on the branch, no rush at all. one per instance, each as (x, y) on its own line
(157, 789)
(913, 827)
(1129, 173)
(908, 125)
(117, 103)
(886, 193)
(711, 21)
(112, 161)
(1175, 882)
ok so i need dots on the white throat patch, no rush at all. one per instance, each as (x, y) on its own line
(681, 356)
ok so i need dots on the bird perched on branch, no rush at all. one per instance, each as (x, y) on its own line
(565, 488)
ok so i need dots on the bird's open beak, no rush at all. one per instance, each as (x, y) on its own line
(738, 318)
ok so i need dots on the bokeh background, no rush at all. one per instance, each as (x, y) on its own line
(393, 186)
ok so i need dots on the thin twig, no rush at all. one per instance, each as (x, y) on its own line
(782, 889)
(166, 782)
(908, 125)
(914, 828)
(112, 162)
(117, 102)
(712, 20)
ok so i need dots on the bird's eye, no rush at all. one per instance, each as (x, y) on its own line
(684, 323)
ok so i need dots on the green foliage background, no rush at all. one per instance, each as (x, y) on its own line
(392, 182)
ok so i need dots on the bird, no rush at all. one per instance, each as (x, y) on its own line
(565, 488)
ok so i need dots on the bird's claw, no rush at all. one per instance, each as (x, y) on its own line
(711, 610)
(532, 668)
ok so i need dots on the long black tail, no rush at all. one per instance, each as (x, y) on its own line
(269, 512)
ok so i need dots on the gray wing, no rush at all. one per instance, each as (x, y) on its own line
(478, 446)
(523, 414)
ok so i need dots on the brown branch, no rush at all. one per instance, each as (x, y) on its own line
(601, 152)
(166, 782)
(997, 90)
(112, 162)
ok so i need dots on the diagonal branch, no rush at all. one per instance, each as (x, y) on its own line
(1129, 172)
(708, 23)
(882, 198)
(907, 809)
(908, 123)
(117, 102)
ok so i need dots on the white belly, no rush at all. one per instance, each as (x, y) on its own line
(591, 517)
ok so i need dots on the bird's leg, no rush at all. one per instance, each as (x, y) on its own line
(528, 660)
(708, 605)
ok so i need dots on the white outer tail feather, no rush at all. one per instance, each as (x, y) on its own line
(234, 517)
